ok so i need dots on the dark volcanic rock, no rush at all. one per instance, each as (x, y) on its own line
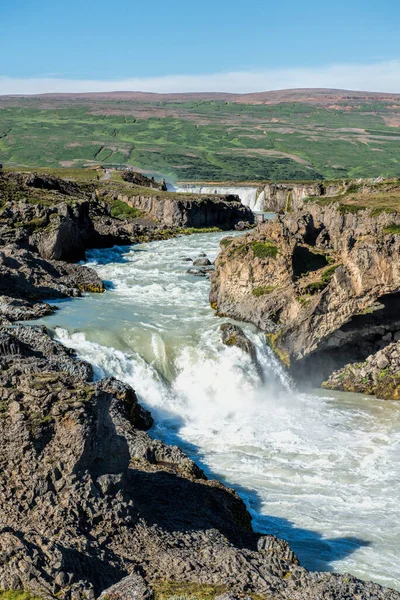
(26, 279)
(88, 500)
(141, 180)
(201, 262)
(174, 210)
(132, 587)
(233, 335)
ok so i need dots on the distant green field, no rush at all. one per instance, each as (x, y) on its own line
(205, 140)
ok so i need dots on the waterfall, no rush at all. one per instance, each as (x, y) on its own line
(249, 195)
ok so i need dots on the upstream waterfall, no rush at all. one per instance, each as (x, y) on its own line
(250, 196)
(320, 469)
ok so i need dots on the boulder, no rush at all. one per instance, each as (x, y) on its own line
(201, 262)
(132, 587)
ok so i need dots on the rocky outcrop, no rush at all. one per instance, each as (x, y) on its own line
(233, 335)
(90, 502)
(132, 587)
(289, 197)
(26, 279)
(199, 212)
(139, 179)
(379, 374)
(323, 284)
(59, 219)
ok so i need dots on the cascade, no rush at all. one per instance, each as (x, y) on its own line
(249, 196)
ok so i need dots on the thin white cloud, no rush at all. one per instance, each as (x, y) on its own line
(381, 76)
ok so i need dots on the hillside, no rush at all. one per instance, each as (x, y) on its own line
(282, 135)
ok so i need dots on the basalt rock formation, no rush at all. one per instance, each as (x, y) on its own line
(60, 219)
(379, 374)
(323, 284)
(89, 500)
(140, 179)
(225, 212)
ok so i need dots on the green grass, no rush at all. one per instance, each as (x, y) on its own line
(164, 590)
(264, 250)
(392, 229)
(190, 230)
(17, 595)
(225, 242)
(204, 140)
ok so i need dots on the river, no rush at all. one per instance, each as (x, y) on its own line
(319, 469)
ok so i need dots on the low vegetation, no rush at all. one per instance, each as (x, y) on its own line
(262, 290)
(317, 286)
(393, 229)
(264, 249)
(17, 595)
(166, 590)
(122, 210)
(205, 140)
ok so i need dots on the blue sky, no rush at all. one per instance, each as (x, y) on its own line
(152, 42)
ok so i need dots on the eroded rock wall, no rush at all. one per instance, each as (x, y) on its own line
(318, 283)
(222, 212)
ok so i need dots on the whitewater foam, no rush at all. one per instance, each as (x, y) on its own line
(252, 197)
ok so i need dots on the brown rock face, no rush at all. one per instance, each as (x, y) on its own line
(222, 212)
(379, 374)
(320, 283)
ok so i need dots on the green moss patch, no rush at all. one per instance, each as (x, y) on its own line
(17, 595)
(264, 249)
(317, 286)
(226, 242)
(262, 290)
(273, 342)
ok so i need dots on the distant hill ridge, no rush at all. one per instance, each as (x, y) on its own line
(308, 95)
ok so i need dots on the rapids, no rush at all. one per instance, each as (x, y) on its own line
(319, 469)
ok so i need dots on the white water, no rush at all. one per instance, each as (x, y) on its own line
(249, 196)
(321, 470)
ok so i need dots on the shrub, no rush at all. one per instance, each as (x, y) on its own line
(122, 210)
